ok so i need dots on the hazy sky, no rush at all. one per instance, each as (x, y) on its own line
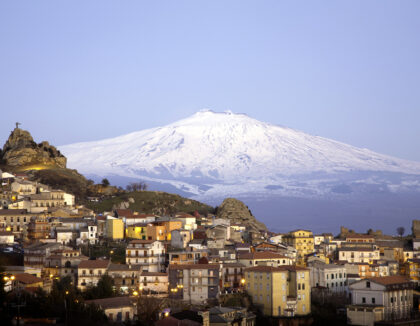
(74, 71)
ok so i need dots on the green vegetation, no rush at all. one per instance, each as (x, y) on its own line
(64, 179)
(152, 202)
(111, 250)
(64, 302)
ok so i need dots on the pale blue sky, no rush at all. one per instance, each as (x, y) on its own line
(75, 71)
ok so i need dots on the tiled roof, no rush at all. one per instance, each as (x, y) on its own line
(390, 280)
(290, 268)
(262, 255)
(27, 278)
(13, 212)
(116, 302)
(356, 249)
(141, 241)
(122, 267)
(94, 264)
(143, 273)
(194, 266)
(359, 236)
(6, 233)
(171, 321)
(124, 212)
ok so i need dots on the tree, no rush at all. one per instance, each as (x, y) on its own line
(400, 231)
(105, 182)
(148, 308)
(136, 186)
(102, 290)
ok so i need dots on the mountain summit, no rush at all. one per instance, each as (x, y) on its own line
(218, 154)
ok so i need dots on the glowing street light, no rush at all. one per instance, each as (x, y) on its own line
(135, 293)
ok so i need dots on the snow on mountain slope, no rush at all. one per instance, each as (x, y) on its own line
(228, 150)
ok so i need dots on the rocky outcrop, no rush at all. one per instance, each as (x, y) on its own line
(21, 151)
(238, 213)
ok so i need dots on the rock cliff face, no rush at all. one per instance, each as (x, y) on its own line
(238, 213)
(21, 151)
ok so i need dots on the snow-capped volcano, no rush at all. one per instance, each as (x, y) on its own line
(224, 153)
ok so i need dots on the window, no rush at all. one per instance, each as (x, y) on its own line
(368, 284)
(392, 299)
(298, 286)
(363, 300)
(303, 286)
(373, 300)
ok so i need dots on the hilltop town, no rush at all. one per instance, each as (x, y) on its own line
(108, 255)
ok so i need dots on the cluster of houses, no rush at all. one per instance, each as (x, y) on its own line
(199, 259)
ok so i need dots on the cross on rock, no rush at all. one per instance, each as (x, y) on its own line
(17, 124)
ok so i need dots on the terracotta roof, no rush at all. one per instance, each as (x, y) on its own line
(357, 249)
(94, 264)
(360, 236)
(122, 267)
(390, 280)
(152, 274)
(13, 212)
(6, 233)
(262, 255)
(171, 321)
(124, 212)
(116, 302)
(138, 224)
(242, 245)
(141, 241)
(194, 266)
(290, 268)
(27, 278)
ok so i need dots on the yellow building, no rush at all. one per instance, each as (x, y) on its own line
(303, 241)
(114, 229)
(161, 230)
(411, 268)
(136, 231)
(282, 291)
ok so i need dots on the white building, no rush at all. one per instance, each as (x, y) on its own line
(23, 187)
(7, 237)
(149, 254)
(278, 238)
(180, 238)
(153, 282)
(89, 272)
(188, 222)
(330, 276)
(380, 298)
(359, 254)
